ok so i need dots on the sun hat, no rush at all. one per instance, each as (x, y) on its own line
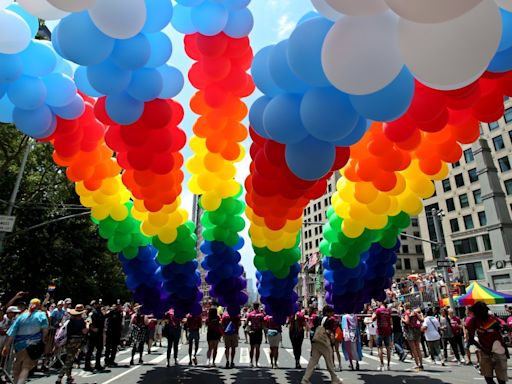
(78, 310)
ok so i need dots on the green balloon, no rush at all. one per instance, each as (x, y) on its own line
(259, 263)
(351, 260)
(131, 252)
(281, 273)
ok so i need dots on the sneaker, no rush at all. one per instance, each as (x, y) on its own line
(257, 365)
(176, 362)
(389, 368)
(381, 368)
(403, 357)
(276, 366)
(131, 362)
(357, 366)
(190, 362)
(141, 361)
(337, 381)
(227, 364)
(251, 365)
(195, 360)
(213, 364)
(168, 364)
(232, 365)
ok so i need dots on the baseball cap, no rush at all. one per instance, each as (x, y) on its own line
(60, 302)
(68, 301)
(13, 309)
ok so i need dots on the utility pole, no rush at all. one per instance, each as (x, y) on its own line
(436, 216)
(15, 190)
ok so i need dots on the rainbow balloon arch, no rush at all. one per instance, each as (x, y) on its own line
(383, 92)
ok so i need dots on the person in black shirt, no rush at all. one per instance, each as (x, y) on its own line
(398, 334)
(95, 337)
(114, 327)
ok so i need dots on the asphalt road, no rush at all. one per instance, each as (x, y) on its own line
(154, 370)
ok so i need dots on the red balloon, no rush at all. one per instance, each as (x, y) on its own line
(101, 112)
(212, 46)
(400, 129)
(191, 48)
(427, 105)
(216, 68)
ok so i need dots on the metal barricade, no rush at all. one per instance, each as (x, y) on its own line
(52, 353)
(6, 364)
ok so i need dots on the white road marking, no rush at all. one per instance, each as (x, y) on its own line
(244, 356)
(266, 352)
(375, 358)
(220, 354)
(122, 374)
(185, 360)
(302, 360)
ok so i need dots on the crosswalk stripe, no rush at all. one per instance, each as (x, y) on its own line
(220, 355)
(266, 352)
(185, 359)
(158, 359)
(302, 359)
(376, 358)
(244, 356)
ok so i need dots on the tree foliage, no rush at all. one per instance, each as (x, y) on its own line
(69, 252)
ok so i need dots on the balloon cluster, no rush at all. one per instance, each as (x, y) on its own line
(122, 54)
(35, 83)
(348, 289)
(181, 250)
(212, 17)
(225, 274)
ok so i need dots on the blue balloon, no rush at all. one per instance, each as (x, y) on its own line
(236, 4)
(240, 23)
(210, 17)
(158, 15)
(261, 73)
(64, 67)
(11, 68)
(146, 84)
(322, 152)
(61, 90)
(506, 30)
(328, 114)
(308, 16)
(32, 21)
(281, 72)
(81, 41)
(501, 62)
(35, 123)
(161, 49)
(73, 110)
(108, 78)
(281, 119)
(27, 93)
(6, 110)
(82, 83)
(190, 3)
(256, 115)
(38, 59)
(173, 81)
(182, 19)
(305, 51)
(390, 102)
(3, 89)
(356, 134)
(123, 108)
(132, 53)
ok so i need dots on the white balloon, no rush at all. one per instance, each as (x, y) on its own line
(72, 5)
(42, 9)
(360, 54)
(15, 33)
(431, 11)
(326, 10)
(120, 19)
(449, 55)
(506, 4)
(358, 7)
(5, 3)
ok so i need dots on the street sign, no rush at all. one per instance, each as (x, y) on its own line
(445, 264)
(7, 223)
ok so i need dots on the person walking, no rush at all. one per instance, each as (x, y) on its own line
(139, 332)
(255, 321)
(114, 327)
(338, 338)
(213, 335)
(448, 334)
(95, 337)
(193, 325)
(297, 329)
(321, 346)
(351, 345)
(371, 330)
(243, 317)
(398, 334)
(384, 325)
(231, 326)
(457, 329)
(29, 332)
(76, 329)
(432, 330)
(274, 339)
(172, 332)
(412, 321)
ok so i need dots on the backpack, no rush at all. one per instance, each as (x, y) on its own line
(61, 336)
(230, 329)
(321, 336)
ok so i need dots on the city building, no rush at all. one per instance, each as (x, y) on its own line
(197, 211)
(476, 201)
(410, 257)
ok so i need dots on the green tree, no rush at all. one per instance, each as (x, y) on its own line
(68, 252)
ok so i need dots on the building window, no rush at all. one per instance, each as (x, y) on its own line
(510, 135)
(417, 234)
(419, 249)
(317, 243)
(456, 164)
(414, 221)
(477, 195)
(399, 264)
(454, 225)
(508, 115)
(459, 180)
(508, 186)
(463, 200)
(504, 163)
(498, 142)
(405, 249)
(465, 246)
(494, 125)
(468, 155)
(482, 219)
(487, 242)
(447, 185)
(473, 177)
(475, 271)
(450, 205)
(468, 222)
(421, 265)
(403, 237)
(407, 263)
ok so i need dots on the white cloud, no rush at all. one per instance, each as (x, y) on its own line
(285, 26)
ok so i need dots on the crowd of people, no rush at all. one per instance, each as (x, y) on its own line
(32, 332)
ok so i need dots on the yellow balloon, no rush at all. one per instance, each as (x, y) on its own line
(100, 212)
(399, 186)
(207, 181)
(168, 235)
(352, 228)
(211, 201)
(158, 219)
(380, 205)
(119, 212)
(358, 212)
(365, 193)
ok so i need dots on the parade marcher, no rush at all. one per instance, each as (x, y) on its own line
(448, 334)
(297, 329)
(193, 324)
(6, 321)
(214, 333)
(432, 329)
(412, 321)
(457, 328)
(29, 332)
(255, 321)
(384, 325)
(95, 337)
(493, 351)
(352, 346)
(371, 330)
(243, 318)
(76, 328)
(139, 333)
(150, 335)
(321, 346)
(114, 329)
(57, 314)
(338, 338)
(398, 334)
(274, 339)
(159, 332)
(172, 332)
(231, 325)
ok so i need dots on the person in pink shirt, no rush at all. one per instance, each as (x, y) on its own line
(255, 322)
(297, 327)
(230, 325)
(194, 324)
(382, 315)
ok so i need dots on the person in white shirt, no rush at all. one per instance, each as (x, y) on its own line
(431, 327)
(371, 330)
